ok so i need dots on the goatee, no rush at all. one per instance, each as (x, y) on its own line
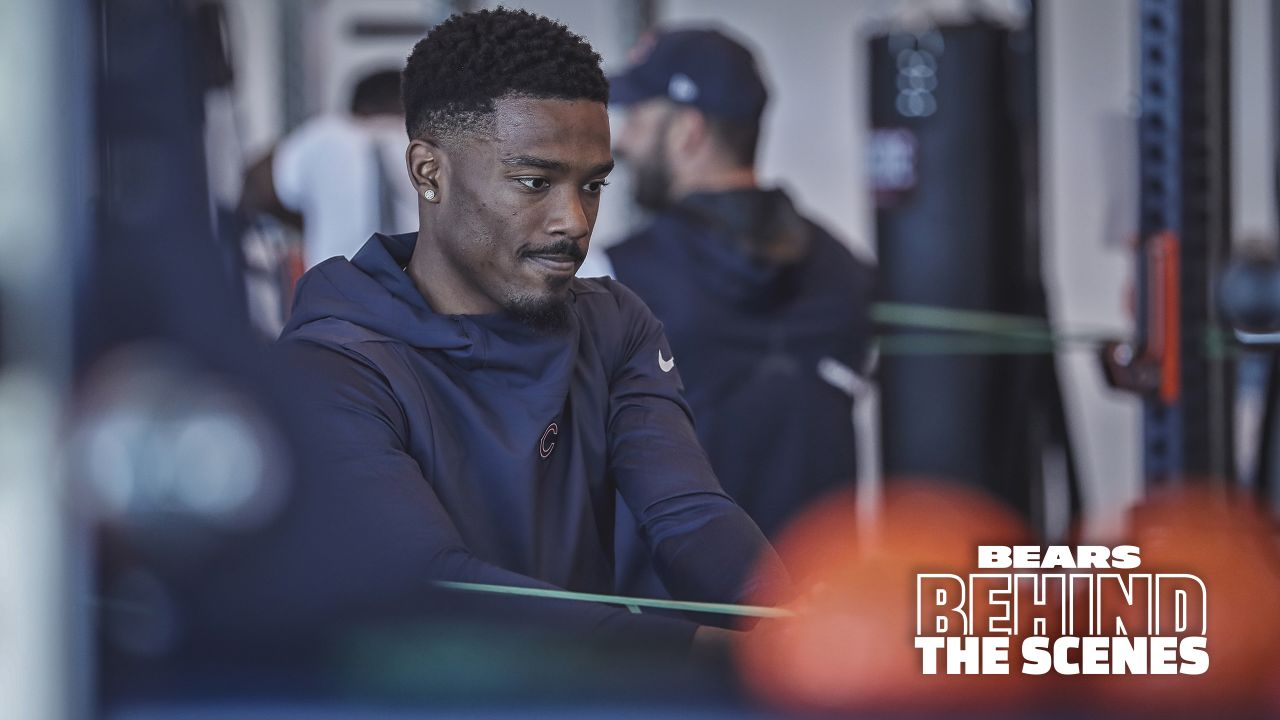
(545, 314)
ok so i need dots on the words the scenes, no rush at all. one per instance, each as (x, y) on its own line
(1069, 615)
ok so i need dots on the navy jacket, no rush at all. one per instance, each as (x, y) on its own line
(492, 453)
(768, 316)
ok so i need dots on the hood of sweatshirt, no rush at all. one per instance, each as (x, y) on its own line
(371, 295)
(751, 241)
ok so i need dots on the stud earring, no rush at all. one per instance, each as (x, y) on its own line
(429, 194)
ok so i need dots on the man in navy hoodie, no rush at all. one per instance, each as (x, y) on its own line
(767, 313)
(481, 408)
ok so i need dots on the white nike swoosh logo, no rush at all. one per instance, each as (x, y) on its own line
(666, 364)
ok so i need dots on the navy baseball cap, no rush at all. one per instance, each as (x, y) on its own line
(704, 69)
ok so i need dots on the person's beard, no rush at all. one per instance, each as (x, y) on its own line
(549, 312)
(651, 177)
(652, 182)
(546, 314)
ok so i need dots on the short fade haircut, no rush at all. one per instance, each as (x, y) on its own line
(455, 73)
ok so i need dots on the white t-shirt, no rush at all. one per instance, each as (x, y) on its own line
(328, 170)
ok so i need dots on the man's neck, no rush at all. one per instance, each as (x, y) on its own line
(444, 290)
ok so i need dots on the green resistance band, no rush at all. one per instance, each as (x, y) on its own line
(974, 332)
(933, 317)
(634, 604)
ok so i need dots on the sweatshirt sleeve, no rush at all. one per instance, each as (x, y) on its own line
(704, 546)
(378, 529)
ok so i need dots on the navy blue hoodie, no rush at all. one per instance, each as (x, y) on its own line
(768, 315)
(493, 453)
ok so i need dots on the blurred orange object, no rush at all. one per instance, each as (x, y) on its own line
(851, 645)
(1230, 545)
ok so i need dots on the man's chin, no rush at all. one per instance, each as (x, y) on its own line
(544, 313)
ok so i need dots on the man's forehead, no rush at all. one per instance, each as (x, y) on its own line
(568, 127)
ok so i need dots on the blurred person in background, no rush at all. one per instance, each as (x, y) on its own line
(338, 176)
(767, 313)
(477, 408)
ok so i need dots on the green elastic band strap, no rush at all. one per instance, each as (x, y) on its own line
(992, 333)
(944, 318)
(631, 603)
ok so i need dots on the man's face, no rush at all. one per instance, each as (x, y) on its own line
(517, 213)
(642, 144)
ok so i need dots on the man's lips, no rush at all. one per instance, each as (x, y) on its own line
(556, 262)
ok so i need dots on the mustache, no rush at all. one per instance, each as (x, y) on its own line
(560, 247)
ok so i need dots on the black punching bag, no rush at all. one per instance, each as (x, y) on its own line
(953, 167)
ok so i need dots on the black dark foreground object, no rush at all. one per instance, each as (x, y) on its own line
(954, 114)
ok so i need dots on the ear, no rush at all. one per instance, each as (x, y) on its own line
(689, 131)
(426, 162)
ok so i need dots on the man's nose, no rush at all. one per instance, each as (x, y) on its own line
(569, 217)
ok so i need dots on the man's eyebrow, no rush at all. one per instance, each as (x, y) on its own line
(553, 165)
(530, 161)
